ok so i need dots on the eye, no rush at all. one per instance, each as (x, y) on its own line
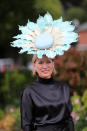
(49, 61)
(40, 62)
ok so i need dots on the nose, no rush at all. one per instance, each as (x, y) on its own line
(44, 65)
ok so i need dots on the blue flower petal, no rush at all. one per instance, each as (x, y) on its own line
(24, 29)
(41, 23)
(31, 26)
(56, 22)
(48, 19)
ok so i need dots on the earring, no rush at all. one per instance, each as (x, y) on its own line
(35, 70)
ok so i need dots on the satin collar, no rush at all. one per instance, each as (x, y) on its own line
(45, 81)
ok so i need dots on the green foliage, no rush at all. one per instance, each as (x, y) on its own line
(84, 5)
(17, 125)
(12, 85)
(82, 122)
(12, 14)
(79, 112)
(6, 88)
(17, 117)
(13, 114)
(52, 6)
(76, 101)
(84, 100)
(1, 114)
(2, 130)
(85, 129)
(76, 13)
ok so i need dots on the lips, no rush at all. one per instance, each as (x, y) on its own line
(45, 71)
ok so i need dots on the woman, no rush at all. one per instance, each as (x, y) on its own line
(45, 104)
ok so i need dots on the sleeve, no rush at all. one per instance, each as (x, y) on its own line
(69, 120)
(70, 124)
(26, 110)
(67, 97)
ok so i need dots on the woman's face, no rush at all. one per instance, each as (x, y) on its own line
(44, 67)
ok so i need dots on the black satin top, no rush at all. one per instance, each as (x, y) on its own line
(45, 101)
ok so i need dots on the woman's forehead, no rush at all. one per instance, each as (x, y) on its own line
(44, 58)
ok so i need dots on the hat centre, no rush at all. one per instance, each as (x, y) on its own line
(44, 41)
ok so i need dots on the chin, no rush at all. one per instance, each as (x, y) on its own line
(46, 75)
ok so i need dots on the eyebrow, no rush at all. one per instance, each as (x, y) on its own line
(43, 60)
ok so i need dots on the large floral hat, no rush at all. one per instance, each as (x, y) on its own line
(46, 37)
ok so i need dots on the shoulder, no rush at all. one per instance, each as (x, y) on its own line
(27, 90)
(63, 84)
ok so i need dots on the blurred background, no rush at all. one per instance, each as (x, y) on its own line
(16, 69)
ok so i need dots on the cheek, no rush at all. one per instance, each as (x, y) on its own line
(51, 69)
(38, 68)
(51, 66)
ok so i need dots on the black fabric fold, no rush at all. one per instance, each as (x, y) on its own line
(46, 102)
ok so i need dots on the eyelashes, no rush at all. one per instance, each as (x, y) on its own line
(40, 62)
(47, 62)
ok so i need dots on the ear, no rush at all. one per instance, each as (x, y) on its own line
(33, 66)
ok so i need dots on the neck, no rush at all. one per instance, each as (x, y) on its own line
(45, 80)
(47, 77)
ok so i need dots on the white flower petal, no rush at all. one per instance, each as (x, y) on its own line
(37, 32)
(32, 33)
(28, 37)
(48, 29)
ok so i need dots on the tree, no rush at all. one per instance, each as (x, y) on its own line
(52, 6)
(84, 5)
(76, 13)
(70, 3)
(12, 14)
